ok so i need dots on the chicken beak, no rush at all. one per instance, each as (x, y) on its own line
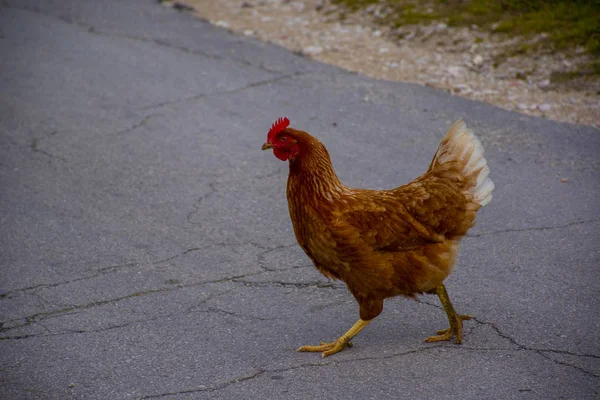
(267, 146)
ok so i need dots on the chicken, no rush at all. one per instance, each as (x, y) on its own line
(384, 243)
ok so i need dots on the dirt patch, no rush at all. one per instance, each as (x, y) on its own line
(463, 61)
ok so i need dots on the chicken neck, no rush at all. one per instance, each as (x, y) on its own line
(312, 177)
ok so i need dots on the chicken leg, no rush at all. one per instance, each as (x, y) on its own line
(455, 319)
(341, 343)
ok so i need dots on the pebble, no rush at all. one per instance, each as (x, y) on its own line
(478, 60)
(462, 88)
(455, 70)
(312, 50)
(222, 24)
(545, 107)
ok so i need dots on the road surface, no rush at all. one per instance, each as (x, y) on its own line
(147, 252)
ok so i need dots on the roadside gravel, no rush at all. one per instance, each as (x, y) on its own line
(460, 60)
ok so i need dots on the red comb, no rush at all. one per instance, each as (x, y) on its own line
(277, 127)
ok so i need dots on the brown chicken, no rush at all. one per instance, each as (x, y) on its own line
(384, 243)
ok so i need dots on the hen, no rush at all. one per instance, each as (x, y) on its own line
(384, 243)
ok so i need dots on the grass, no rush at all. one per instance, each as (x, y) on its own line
(568, 24)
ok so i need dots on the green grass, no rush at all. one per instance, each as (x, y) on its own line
(567, 24)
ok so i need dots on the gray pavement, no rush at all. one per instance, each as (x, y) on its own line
(146, 251)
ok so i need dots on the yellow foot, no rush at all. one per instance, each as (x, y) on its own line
(327, 349)
(448, 333)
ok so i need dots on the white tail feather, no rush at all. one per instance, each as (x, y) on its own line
(483, 192)
(460, 144)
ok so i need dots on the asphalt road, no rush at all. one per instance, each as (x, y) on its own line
(146, 250)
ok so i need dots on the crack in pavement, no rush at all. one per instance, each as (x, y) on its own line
(118, 326)
(100, 272)
(158, 42)
(567, 364)
(258, 372)
(118, 267)
(34, 318)
(542, 352)
(69, 310)
(37, 317)
(196, 205)
(299, 285)
(36, 149)
(261, 257)
(213, 189)
(138, 124)
(218, 244)
(192, 308)
(539, 351)
(187, 50)
(34, 146)
(261, 371)
(221, 92)
(240, 279)
(540, 228)
(204, 388)
(216, 310)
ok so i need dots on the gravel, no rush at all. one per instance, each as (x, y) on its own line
(459, 60)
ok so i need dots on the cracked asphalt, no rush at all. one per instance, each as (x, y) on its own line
(146, 250)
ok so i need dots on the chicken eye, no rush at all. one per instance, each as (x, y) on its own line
(283, 138)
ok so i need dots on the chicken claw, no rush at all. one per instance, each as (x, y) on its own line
(454, 319)
(340, 344)
(327, 349)
(448, 333)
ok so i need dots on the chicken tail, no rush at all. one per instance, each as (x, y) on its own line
(460, 145)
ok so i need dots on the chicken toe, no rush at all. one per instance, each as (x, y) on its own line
(340, 344)
(454, 319)
(327, 349)
(449, 333)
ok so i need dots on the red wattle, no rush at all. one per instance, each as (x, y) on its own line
(282, 155)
